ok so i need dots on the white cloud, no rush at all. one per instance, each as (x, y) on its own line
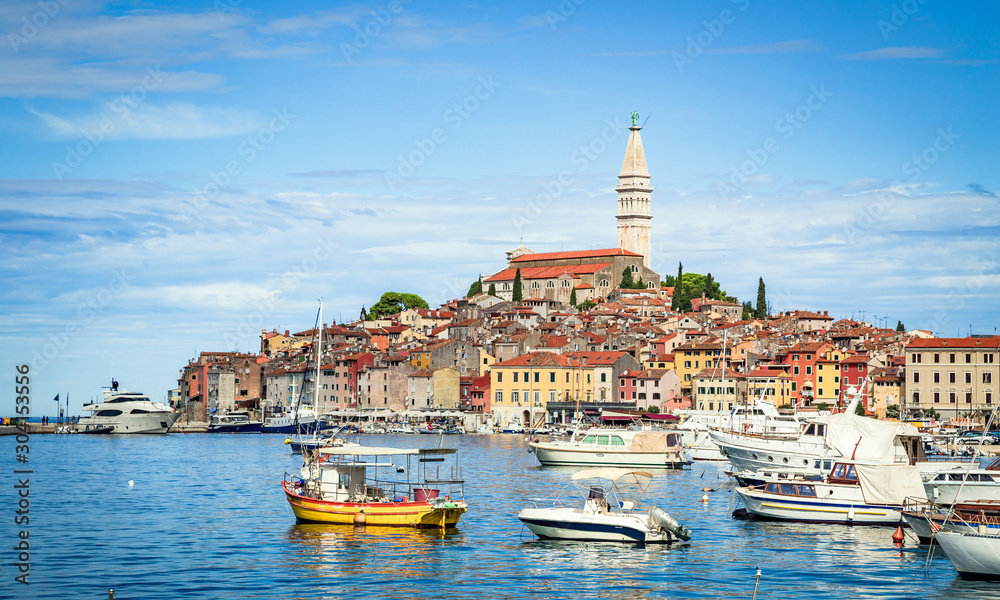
(896, 53)
(174, 121)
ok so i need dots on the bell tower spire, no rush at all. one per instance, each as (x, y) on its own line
(634, 211)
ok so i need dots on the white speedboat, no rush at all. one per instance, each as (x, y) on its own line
(974, 555)
(127, 412)
(925, 519)
(759, 419)
(852, 494)
(959, 483)
(605, 516)
(614, 448)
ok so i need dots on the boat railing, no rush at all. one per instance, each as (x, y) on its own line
(755, 435)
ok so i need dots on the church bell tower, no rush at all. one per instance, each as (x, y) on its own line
(633, 189)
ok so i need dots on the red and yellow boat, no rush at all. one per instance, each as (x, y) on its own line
(363, 485)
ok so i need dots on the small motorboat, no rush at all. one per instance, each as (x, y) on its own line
(606, 515)
(364, 485)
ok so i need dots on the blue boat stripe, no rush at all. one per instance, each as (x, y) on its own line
(589, 527)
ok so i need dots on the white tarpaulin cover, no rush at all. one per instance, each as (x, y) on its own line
(877, 437)
(890, 484)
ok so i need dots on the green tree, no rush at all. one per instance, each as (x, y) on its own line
(586, 305)
(627, 283)
(761, 300)
(517, 297)
(493, 290)
(747, 311)
(899, 326)
(572, 297)
(711, 288)
(860, 409)
(394, 302)
(475, 288)
(668, 281)
(653, 410)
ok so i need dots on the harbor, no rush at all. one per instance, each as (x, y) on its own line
(204, 517)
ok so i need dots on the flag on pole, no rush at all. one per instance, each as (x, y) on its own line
(56, 398)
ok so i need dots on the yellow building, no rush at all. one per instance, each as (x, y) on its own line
(664, 361)
(523, 386)
(828, 376)
(773, 385)
(692, 358)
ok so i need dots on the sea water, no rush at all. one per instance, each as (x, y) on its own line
(204, 516)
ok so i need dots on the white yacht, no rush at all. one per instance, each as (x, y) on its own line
(761, 418)
(128, 412)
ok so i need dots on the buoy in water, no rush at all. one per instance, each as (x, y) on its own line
(508, 446)
(704, 498)
(707, 490)
(288, 441)
(898, 536)
(359, 519)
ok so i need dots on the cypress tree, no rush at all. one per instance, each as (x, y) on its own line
(709, 287)
(516, 297)
(761, 300)
(493, 290)
(627, 283)
(675, 302)
(899, 326)
(572, 297)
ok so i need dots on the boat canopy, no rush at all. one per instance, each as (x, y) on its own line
(377, 451)
(653, 441)
(612, 473)
(873, 438)
(890, 484)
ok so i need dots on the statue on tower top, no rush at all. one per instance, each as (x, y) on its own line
(635, 118)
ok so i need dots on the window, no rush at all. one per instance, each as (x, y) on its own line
(916, 397)
(968, 397)
(989, 397)
(514, 396)
(550, 284)
(525, 377)
(552, 396)
(937, 397)
(968, 377)
(951, 358)
(795, 370)
(795, 357)
(552, 377)
(536, 376)
(623, 395)
(499, 396)
(951, 397)
(937, 357)
(987, 377)
(820, 391)
(968, 358)
(604, 377)
(916, 377)
(687, 364)
(809, 370)
(937, 377)
(820, 380)
(499, 376)
(793, 386)
(951, 377)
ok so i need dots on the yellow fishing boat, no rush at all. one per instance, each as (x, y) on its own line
(362, 485)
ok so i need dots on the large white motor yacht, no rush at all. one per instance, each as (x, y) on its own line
(128, 412)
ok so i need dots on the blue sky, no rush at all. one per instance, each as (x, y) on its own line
(173, 178)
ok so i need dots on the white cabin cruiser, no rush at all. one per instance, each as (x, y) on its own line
(615, 448)
(606, 516)
(761, 418)
(128, 412)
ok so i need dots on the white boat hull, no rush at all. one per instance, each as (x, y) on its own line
(135, 423)
(973, 555)
(555, 455)
(817, 510)
(567, 524)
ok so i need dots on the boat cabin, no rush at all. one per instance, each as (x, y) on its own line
(844, 473)
(806, 490)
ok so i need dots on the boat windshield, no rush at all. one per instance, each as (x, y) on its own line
(791, 489)
(844, 472)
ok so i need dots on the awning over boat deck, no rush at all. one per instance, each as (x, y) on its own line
(612, 473)
(381, 451)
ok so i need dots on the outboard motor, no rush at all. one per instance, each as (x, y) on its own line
(665, 521)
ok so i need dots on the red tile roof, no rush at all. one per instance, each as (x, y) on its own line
(574, 254)
(993, 342)
(546, 272)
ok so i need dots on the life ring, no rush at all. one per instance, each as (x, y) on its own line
(322, 457)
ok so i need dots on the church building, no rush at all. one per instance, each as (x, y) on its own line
(594, 273)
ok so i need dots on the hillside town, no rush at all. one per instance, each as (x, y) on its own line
(561, 337)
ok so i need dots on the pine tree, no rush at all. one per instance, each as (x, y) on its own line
(747, 311)
(761, 300)
(675, 303)
(493, 290)
(572, 297)
(516, 297)
(899, 326)
(709, 287)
